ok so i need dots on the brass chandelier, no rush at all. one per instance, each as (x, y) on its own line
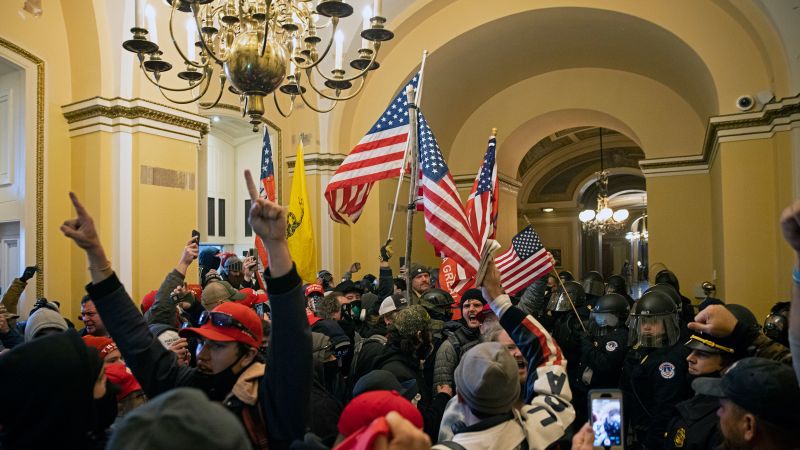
(262, 47)
(603, 219)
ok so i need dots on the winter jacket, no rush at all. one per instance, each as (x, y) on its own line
(12, 295)
(548, 412)
(458, 339)
(282, 392)
(385, 283)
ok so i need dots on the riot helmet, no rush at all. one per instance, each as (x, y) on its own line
(593, 284)
(616, 284)
(671, 292)
(566, 275)
(654, 321)
(438, 303)
(559, 300)
(776, 325)
(666, 276)
(608, 314)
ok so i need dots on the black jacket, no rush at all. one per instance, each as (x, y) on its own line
(285, 387)
(653, 382)
(696, 426)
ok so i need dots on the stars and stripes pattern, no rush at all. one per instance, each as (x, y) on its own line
(267, 190)
(446, 226)
(524, 262)
(482, 201)
(377, 156)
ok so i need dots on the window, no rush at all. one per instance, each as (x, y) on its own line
(211, 216)
(248, 231)
(222, 217)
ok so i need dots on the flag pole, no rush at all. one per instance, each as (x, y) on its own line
(405, 152)
(412, 184)
(563, 288)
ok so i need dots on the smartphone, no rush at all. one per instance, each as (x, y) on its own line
(605, 408)
(402, 261)
(196, 236)
(252, 252)
(245, 254)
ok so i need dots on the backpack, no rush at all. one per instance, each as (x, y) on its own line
(359, 344)
(460, 342)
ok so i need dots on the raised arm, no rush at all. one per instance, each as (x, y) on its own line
(286, 385)
(790, 224)
(163, 309)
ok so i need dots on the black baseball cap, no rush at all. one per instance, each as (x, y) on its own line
(383, 380)
(761, 386)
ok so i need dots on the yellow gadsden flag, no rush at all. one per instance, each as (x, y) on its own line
(299, 229)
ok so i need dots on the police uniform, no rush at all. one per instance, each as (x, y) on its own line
(653, 381)
(696, 426)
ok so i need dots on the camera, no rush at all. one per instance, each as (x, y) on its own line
(745, 102)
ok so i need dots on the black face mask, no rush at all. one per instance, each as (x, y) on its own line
(104, 409)
(217, 386)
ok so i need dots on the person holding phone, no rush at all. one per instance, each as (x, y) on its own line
(272, 400)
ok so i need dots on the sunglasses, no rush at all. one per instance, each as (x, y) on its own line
(224, 320)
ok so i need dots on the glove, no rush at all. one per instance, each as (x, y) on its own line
(29, 272)
(386, 251)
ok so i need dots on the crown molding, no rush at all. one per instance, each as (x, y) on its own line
(134, 116)
(776, 116)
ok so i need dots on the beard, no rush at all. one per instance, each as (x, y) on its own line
(734, 443)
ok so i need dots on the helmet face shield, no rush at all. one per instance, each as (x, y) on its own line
(558, 302)
(601, 323)
(660, 330)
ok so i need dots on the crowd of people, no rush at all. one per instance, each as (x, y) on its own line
(374, 363)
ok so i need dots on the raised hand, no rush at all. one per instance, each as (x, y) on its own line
(491, 281)
(715, 320)
(790, 225)
(29, 272)
(81, 229)
(190, 252)
(267, 219)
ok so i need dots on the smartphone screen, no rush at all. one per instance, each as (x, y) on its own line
(196, 236)
(606, 410)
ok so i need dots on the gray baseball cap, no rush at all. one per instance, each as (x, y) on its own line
(488, 379)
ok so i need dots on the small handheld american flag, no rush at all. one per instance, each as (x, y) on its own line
(524, 262)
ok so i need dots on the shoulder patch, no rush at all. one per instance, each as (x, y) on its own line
(611, 346)
(667, 370)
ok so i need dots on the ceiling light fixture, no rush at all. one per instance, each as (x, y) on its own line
(261, 47)
(603, 219)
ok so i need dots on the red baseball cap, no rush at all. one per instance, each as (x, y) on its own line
(148, 300)
(365, 408)
(103, 345)
(120, 375)
(314, 289)
(312, 319)
(242, 315)
(250, 297)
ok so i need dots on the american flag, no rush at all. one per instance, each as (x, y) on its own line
(267, 190)
(482, 201)
(377, 156)
(446, 225)
(525, 262)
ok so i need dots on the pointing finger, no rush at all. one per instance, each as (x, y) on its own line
(251, 186)
(77, 204)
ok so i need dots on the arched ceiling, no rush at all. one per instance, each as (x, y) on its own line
(485, 60)
(555, 168)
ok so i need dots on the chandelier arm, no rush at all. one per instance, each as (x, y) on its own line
(335, 21)
(222, 80)
(205, 89)
(316, 108)
(175, 43)
(338, 99)
(266, 29)
(195, 12)
(159, 86)
(359, 74)
(278, 106)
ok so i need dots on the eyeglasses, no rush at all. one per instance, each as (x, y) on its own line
(224, 320)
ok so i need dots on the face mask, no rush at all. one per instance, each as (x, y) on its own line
(219, 385)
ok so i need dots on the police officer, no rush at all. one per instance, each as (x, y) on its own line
(616, 285)
(654, 374)
(603, 350)
(776, 325)
(594, 286)
(696, 425)
(685, 308)
(684, 316)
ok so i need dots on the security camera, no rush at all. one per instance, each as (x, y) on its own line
(745, 102)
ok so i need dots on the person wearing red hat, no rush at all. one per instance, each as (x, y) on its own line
(108, 350)
(272, 402)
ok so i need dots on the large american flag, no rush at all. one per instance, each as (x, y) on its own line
(267, 189)
(446, 225)
(377, 156)
(482, 201)
(524, 262)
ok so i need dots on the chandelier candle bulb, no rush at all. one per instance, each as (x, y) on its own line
(376, 8)
(339, 38)
(137, 13)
